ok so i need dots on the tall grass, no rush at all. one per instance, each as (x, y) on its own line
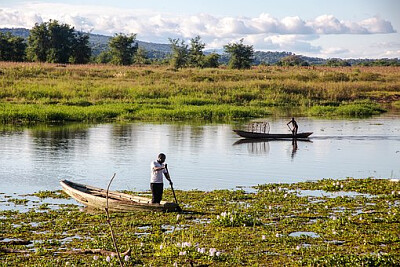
(48, 92)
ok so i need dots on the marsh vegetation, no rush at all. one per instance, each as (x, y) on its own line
(34, 92)
(325, 223)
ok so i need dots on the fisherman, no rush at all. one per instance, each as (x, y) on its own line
(294, 126)
(158, 168)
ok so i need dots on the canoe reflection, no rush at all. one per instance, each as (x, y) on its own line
(261, 146)
(255, 146)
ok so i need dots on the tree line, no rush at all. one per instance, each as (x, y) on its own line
(56, 42)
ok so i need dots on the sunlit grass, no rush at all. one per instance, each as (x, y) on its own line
(91, 89)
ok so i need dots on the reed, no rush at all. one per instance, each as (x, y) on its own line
(49, 92)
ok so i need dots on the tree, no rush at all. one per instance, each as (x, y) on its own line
(292, 60)
(104, 57)
(62, 38)
(81, 50)
(57, 43)
(337, 62)
(38, 43)
(179, 57)
(141, 56)
(123, 48)
(195, 53)
(211, 60)
(241, 55)
(12, 48)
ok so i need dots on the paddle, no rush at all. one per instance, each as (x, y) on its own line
(172, 188)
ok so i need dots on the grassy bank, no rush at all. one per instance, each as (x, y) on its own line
(46, 92)
(323, 223)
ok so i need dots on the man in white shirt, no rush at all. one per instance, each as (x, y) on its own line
(158, 168)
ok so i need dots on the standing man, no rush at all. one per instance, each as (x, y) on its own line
(158, 168)
(294, 126)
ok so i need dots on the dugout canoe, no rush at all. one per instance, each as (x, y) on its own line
(96, 198)
(255, 135)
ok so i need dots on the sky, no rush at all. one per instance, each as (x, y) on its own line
(316, 28)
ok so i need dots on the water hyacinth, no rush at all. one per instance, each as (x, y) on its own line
(186, 244)
(234, 219)
(344, 239)
(108, 259)
(201, 250)
(212, 252)
(126, 258)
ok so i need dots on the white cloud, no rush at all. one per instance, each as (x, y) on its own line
(328, 24)
(377, 25)
(295, 25)
(13, 19)
(392, 54)
(105, 20)
(335, 51)
(264, 32)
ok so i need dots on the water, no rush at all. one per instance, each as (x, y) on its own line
(204, 157)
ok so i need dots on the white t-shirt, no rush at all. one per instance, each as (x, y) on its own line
(157, 176)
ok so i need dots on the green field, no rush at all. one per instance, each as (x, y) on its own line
(351, 222)
(32, 92)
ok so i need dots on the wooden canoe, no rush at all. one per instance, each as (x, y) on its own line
(255, 135)
(96, 198)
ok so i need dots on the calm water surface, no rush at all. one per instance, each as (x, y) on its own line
(201, 157)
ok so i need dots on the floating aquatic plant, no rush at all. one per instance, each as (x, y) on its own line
(221, 227)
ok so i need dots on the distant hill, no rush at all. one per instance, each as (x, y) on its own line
(99, 43)
(21, 32)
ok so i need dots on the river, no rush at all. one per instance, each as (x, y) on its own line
(199, 156)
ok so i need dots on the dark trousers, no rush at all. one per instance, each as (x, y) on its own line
(156, 191)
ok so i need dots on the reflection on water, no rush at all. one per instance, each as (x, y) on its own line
(294, 145)
(261, 146)
(202, 157)
(256, 146)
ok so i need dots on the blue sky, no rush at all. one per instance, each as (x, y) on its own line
(340, 28)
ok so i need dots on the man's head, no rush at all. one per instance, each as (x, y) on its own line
(161, 158)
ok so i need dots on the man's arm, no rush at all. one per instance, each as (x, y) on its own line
(168, 177)
(158, 168)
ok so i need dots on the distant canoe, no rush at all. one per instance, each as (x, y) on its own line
(96, 198)
(254, 135)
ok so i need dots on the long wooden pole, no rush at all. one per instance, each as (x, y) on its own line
(173, 191)
(109, 223)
